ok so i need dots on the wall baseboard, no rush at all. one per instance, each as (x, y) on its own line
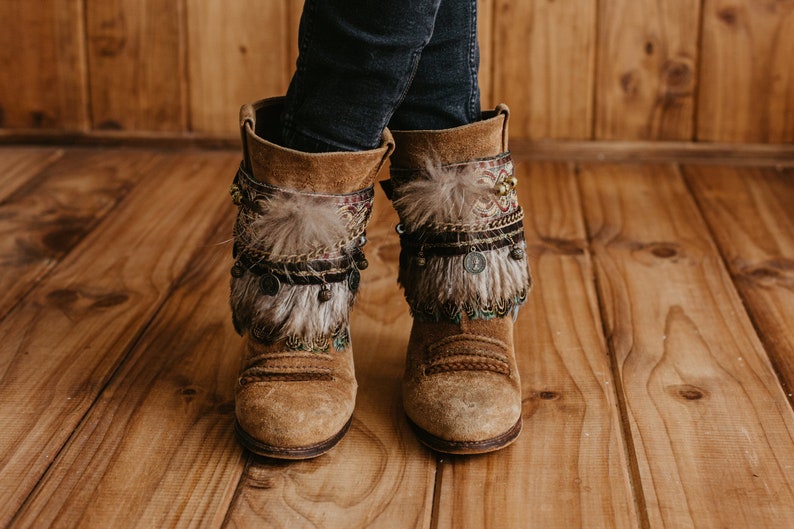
(756, 154)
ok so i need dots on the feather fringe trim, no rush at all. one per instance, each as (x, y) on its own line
(295, 311)
(443, 283)
(293, 228)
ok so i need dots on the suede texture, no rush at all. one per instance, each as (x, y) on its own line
(295, 404)
(330, 172)
(461, 387)
(461, 382)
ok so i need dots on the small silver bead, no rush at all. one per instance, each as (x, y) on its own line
(517, 253)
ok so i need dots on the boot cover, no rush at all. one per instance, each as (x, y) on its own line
(464, 270)
(298, 239)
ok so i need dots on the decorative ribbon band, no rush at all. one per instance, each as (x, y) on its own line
(460, 243)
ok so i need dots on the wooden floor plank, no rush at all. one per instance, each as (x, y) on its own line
(710, 425)
(157, 449)
(45, 219)
(19, 164)
(62, 345)
(379, 475)
(751, 215)
(571, 451)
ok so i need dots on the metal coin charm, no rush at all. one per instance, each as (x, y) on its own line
(269, 285)
(354, 280)
(325, 294)
(474, 262)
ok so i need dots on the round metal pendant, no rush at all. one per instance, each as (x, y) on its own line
(354, 280)
(269, 285)
(237, 270)
(517, 253)
(474, 262)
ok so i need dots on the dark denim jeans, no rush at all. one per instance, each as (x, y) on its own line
(366, 64)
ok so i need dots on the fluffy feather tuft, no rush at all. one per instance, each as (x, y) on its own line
(294, 311)
(443, 195)
(443, 280)
(296, 225)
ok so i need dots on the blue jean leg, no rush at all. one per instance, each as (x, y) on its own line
(363, 64)
(445, 90)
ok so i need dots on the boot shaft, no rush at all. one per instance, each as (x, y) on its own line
(270, 163)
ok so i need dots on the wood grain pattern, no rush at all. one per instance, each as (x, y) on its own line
(42, 78)
(485, 38)
(750, 213)
(746, 91)
(680, 70)
(571, 446)
(379, 475)
(136, 64)
(544, 66)
(710, 426)
(647, 69)
(238, 52)
(157, 449)
(64, 343)
(19, 165)
(43, 221)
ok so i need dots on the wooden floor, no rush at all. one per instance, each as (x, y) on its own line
(656, 354)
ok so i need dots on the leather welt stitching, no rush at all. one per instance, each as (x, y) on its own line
(476, 352)
(265, 358)
(285, 377)
(467, 366)
(467, 338)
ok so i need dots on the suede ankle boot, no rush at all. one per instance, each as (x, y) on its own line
(298, 243)
(464, 270)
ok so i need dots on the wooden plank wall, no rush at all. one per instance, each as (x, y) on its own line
(658, 70)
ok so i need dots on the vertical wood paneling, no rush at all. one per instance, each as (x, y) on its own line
(136, 64)
(42, 65)
(485, 34)
(238, 52)
(294, 10)
(647, 57)
(747, 73)
(711, 70)
(543, 65)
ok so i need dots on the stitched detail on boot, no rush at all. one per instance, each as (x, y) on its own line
(451, 345)
(261, 361)
(285, 377)
(446, 367)
(467, 352)
(285, 373)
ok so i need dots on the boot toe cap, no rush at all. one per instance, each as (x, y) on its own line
(278, 420)
(464, 407)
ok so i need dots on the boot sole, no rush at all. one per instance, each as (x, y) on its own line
(292, 453)
(467, 447)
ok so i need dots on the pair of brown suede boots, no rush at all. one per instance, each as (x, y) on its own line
(298, 250)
